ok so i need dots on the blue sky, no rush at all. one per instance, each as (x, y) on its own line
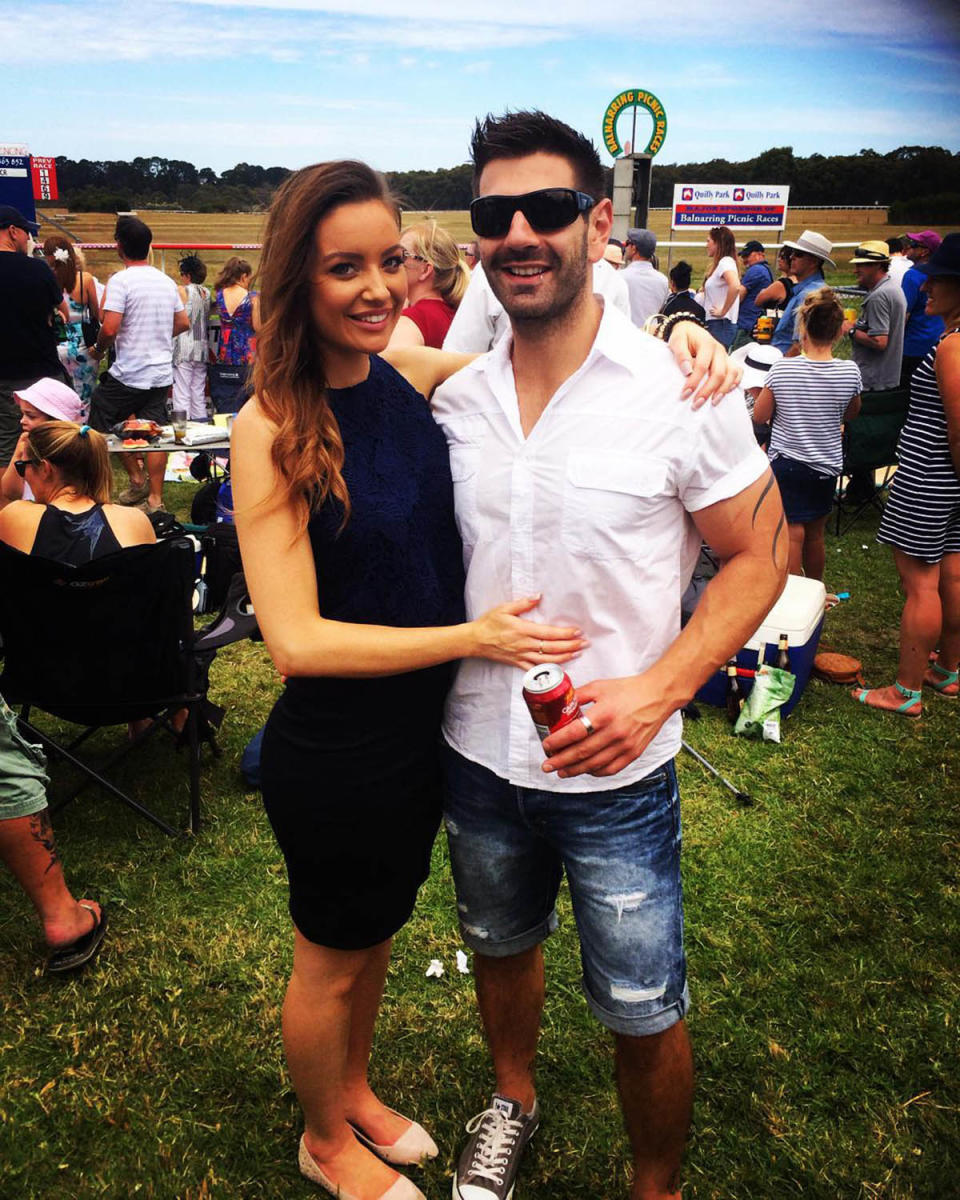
(288, 82)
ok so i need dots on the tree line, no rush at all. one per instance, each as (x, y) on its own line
(910, 179)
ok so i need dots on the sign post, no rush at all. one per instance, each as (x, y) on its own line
(631, 184)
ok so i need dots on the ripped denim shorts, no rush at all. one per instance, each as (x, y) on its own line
(620, 849)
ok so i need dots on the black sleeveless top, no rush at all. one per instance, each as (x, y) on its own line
(397, 561)
(75, 538)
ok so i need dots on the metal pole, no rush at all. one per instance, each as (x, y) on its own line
(743, 797)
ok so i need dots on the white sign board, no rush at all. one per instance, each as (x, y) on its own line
(743, 205)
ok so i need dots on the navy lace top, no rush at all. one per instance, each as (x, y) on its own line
(398, 560)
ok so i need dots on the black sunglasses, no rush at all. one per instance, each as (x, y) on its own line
(20, 465)
(544, 210)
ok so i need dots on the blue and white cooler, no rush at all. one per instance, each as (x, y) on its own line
(799, 614)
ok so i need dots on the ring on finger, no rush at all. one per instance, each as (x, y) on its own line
(541, 647)
(587, 723)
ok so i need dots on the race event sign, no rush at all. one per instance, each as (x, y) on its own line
(744, 205)
(16, 186)
(634, 98)
(44, 173)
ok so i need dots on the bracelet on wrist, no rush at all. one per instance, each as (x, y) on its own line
(667, 327)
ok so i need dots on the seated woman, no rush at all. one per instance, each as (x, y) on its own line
(437, 277)
(682, 298)
(68, 469)
(776, 295)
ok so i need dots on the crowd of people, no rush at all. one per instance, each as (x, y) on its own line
(408, 558)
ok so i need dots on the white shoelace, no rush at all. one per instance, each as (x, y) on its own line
(497, 1138)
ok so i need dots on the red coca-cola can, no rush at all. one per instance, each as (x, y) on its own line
(551, 698)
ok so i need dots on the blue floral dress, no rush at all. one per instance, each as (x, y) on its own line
(238, 342)
(79, 366)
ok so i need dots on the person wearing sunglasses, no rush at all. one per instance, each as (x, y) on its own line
(808, 254)
(578, 469)
(68, 469)
(437, 277)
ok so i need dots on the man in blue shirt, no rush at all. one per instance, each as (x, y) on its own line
(755, 278)
(807, 256)
(922, 332)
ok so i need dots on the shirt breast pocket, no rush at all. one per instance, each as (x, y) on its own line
(464, 469)
(610, 502)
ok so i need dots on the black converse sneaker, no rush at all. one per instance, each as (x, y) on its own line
(488, 1166)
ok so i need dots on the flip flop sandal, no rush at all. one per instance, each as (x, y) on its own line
(911, 698)
(77, 954)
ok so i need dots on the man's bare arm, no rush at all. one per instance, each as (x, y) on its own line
(749, 533)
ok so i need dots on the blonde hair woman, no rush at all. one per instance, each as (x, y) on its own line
(437, 277)
(67, 466)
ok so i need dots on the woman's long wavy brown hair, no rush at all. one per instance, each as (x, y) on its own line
(289, 376)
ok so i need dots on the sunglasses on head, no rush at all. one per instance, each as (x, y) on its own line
(544, 211)
(20, 465)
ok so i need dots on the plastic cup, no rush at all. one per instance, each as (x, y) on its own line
(179, 422)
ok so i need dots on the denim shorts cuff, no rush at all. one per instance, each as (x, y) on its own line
(28, 799)
(640, 1026)
(513, 945)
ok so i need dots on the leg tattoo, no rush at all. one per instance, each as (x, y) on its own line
(41, 830)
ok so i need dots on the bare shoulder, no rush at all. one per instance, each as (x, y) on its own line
(18, 523)
(131, 526)
(424, 368)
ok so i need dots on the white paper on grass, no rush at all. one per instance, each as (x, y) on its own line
(435, 970)
(463, 965)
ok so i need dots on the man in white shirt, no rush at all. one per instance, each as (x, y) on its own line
(142, 314)
(580, 474)
(647, 286)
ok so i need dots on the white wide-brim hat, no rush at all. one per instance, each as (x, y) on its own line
(756, 358)
(813, 243)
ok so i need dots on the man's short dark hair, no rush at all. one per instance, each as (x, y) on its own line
(896, 245)
(133, 236)
(518, 134)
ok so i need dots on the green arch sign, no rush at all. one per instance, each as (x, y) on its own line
(634, 98)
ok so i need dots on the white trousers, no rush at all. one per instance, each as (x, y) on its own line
(189, 388)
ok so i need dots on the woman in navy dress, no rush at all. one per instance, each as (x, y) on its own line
(344, 509)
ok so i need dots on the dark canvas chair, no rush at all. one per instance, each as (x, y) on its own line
(870, 445)
(107, 643)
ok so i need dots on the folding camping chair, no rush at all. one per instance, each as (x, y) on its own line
(110, 642)
(870, 445)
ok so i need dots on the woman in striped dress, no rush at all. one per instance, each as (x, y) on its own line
(922, 518)
(809, 398)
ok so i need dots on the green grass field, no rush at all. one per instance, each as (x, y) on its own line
(822, 933)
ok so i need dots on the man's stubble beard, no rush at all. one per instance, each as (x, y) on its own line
(568, 288)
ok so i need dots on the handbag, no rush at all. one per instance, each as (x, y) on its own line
(838, 668)
(89, 327)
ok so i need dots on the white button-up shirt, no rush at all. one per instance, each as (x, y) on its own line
(591, 510)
